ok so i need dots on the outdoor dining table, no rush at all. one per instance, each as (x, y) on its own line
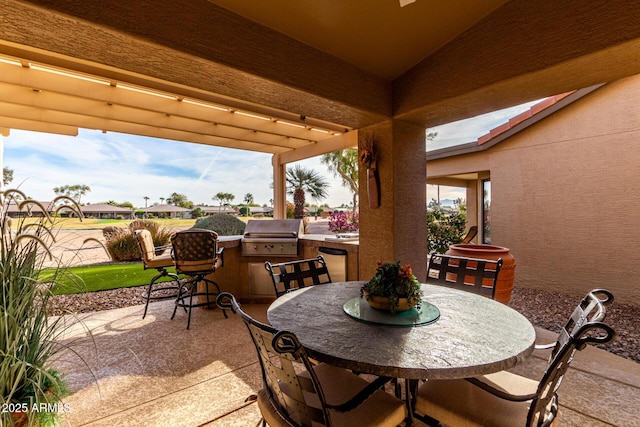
(462, 335)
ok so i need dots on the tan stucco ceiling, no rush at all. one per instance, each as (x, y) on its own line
(379, 36)
(51, 98)
(333, 65)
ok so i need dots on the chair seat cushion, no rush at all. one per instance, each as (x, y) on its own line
(160, 261)
(461, 403)
(506, 382)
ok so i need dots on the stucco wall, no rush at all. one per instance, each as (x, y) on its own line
(564, 194)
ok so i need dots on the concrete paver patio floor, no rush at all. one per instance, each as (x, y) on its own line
(154, 372)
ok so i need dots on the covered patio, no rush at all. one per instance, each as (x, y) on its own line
(154, 372)
(299, 79)
(296, 79)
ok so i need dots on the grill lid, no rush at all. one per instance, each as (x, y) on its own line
(274, 229)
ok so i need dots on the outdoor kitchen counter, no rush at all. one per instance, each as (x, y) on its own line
(234, 276)
(306, 240)
(229, 241)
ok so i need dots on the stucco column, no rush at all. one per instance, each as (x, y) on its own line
(397, 229)
(279, 188)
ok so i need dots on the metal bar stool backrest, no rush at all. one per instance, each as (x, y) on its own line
(468, 274)
(195, 251)
(288, 276)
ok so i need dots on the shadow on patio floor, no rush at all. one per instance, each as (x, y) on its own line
(154, 372)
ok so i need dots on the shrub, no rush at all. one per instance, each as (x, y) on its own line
(122, 244)
(290, 209)
(344, 222)
(444, 230)
(197, 213)
(223, 224)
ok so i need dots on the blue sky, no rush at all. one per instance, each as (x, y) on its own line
(124, 167)
(464, 131)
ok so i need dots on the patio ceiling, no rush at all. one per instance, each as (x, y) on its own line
(296, 78)
(49, 99)
(383, 37)
(38, 93)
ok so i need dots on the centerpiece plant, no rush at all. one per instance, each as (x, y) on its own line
(31, 389)
(396, 283)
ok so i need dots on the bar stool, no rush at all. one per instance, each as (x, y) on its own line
(196, 254)
(159, 262)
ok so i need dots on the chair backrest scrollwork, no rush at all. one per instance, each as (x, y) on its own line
(288, 276)
(469, 274)
(287, 373)
(585, 325)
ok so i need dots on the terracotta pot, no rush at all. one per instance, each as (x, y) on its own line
(382, 303)
(504, 284)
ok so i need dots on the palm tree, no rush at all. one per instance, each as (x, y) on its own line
(344, 163)
(146, 199)
(248, 199)
(301, 180)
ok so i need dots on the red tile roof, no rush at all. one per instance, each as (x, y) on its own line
(516, 120)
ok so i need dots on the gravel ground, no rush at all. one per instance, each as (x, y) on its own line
(547, 310)
(551, 310)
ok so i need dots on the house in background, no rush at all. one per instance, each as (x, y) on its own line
(106, 211)
(260, 211)
(210, 210)
(560, 184)
(97, 210)
(33, 210)
(167, 211)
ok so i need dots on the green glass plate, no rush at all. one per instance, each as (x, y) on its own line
(359, 309)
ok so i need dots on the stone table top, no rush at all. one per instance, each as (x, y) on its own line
(474, 335)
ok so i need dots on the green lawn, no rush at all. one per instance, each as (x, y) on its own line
(101, 277)
(106, 276)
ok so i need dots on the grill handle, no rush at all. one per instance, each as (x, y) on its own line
(271, 235)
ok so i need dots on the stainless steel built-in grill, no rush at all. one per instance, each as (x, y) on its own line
(278, 237)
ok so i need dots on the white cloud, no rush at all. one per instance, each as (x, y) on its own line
(124, 167)
(469, 130)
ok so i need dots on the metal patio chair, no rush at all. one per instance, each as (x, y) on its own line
(292, 275)
(473, 232)
(507, 399)
(468, 274)
(297, 392)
